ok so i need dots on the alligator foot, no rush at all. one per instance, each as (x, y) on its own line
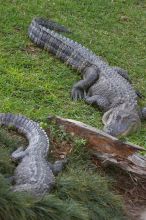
(90, 75)
(98, 101)
(58, 166)
(78, 93)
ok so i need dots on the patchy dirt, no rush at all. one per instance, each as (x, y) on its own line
(59, 150)
(132, 189)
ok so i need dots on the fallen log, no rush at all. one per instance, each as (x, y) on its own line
(106, 148)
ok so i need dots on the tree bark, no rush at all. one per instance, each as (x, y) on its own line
(106, 148)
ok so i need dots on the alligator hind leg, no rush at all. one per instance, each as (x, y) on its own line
(18, 154)
(123, 73)
(98, 101)
(90, 75)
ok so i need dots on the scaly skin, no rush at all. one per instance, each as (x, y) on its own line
(107, 87)
(34, 174)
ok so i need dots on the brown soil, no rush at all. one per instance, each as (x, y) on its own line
(131, 188)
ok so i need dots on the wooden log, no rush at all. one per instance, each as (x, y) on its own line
(108, 149)
(135, 164)
(97, 140)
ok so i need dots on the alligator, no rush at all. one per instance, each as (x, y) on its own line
(106, 87)
(34, 174)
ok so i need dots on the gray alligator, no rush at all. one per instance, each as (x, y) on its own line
(104, 86)
(34, 174)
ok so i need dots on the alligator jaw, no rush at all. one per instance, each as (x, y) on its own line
(121, 121)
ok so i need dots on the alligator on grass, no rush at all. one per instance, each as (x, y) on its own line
(34, 174)
(104, 86)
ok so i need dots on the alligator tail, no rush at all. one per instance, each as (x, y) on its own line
(52, 25)
(33, 132)
(78, 57)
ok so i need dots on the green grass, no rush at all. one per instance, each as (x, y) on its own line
(36, 84)
(80, 192)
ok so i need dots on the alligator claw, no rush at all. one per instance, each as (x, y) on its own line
(77, 94)
(88, 100)
(58, 166)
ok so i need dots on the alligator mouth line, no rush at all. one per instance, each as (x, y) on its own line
(125, 133)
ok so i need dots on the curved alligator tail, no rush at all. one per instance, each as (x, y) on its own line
(74, 54)
(52, 25)
(33, 132)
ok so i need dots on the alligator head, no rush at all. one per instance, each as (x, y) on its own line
(121, 121)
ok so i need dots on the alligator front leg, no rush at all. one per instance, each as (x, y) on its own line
(91, 75)
(98, 101)
(58, 166)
